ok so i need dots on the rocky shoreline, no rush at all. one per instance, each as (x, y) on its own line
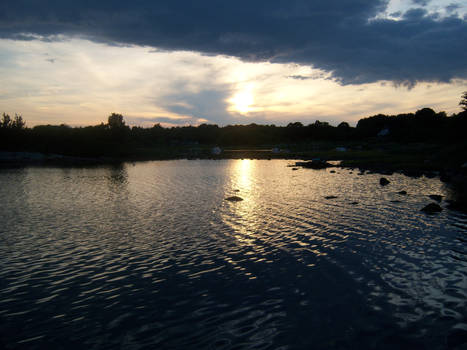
(455, 178)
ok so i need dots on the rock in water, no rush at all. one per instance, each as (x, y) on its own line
(383, 181)
(314, 164)
(432, 208)
(234, 199)
(436, 197)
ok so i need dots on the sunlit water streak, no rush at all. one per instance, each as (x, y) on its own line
(150, 255)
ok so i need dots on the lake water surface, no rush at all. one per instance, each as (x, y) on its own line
(150, 256)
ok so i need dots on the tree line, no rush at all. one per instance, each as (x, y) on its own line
(115, 138)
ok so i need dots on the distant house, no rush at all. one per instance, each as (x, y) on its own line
(216, 151)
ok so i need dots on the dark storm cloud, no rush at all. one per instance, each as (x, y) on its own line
(335, 35)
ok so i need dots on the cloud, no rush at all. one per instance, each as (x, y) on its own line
(452, 7)
(299, 77)
(335, 36)
(421, 2)
(313, 76)
(209, 104)
(164, 121)
(156, 120)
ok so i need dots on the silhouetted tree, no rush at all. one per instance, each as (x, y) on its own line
(18, 122)
(6, 121)
(425, 113)
(320, 124)
(116, 121)
(119, 135)
(116, 139)
(463, 102)
(295, 125)
(13, 132)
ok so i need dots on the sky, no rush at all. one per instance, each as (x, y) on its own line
(179, 62)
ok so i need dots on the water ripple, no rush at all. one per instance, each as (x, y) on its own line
(150, 255)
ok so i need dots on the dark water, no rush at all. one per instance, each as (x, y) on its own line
(151, 256)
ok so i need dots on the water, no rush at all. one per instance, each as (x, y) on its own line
(150, 256)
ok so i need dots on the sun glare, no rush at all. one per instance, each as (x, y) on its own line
(242, 101)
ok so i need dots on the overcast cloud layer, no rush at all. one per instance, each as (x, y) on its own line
(345, 37)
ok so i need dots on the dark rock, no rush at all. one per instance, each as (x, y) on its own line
(395, 201)
(236, 190)
(332, 171)
(330, 197)
(234, 199)
(432, 208)
(314, 164)
(383, 181)
(436, 197)
(354, 203)
(294, 168)
(350, 172)
(402, 192)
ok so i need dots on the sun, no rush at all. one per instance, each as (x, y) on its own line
(242, 101)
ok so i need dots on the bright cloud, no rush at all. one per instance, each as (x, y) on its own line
(79, 82)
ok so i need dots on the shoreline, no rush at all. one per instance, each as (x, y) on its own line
(368, 164)
(454, 177)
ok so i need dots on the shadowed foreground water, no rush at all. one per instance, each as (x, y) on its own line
(151, 256)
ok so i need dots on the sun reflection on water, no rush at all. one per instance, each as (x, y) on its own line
(242, 173)
(243, 217)
(250, 219)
